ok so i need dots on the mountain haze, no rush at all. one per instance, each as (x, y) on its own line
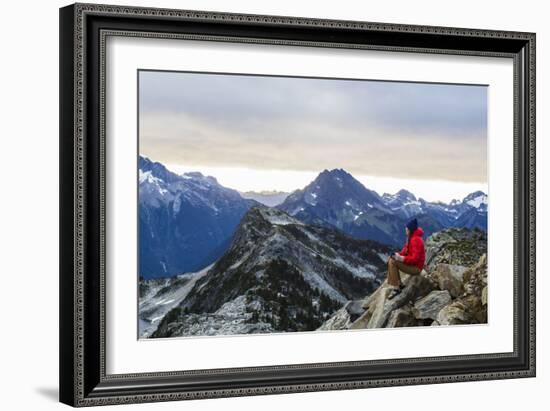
(268, 198)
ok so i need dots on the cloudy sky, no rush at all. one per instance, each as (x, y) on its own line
(277, 133)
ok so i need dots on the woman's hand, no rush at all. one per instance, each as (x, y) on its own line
(398, 257)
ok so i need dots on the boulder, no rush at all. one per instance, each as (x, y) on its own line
(465, 310)
(344, 317)
(379, 308)
(354, 309)
(371, 298)
(450, 277)
(475, 278)
(453, 314)
(429, 306)
(484, 296)
(374, 305)
(402, 317)
(340, 320)
(476, 308)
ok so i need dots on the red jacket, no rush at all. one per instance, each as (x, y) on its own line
(414, 251)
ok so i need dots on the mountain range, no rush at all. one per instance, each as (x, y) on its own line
(279, 274)
(185, 221)
(336, 199)
(188, 221)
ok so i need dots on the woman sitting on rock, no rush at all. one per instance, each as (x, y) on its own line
(410, 259)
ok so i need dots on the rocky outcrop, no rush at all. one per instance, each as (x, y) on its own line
(475, 278)
(484, 296)
(466, 310)
(429, 306)
(378, 308)
(345, 316)
(403, 317)
(456, 246)
(452, 290)
(449, 277)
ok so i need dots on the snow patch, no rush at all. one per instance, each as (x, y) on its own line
(478, 201)
(153, 308)
(279, 218)
(316, 281)
(240, 261)
(366, 271)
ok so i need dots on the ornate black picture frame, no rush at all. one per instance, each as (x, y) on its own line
(83, 30)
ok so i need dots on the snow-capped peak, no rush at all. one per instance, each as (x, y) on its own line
(147, 176)
(405, 195)
(476, 199)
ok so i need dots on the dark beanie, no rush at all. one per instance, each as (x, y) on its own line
(412, 225)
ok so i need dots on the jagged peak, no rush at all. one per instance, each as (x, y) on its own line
(336, 177)
(476, 199)
(194, 174)
(144, 158)
(197, 175)
(336, 172)
(405, 194)
(475, 194)
(157, 169)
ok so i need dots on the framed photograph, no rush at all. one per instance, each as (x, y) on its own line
(263, 204)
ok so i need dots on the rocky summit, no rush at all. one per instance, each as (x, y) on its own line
(451, 290)
(457, 246)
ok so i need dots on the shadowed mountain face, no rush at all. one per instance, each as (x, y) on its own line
(279, 274)
(336, 199)
(185, 222)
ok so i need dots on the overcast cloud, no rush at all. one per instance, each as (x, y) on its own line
(385, 129)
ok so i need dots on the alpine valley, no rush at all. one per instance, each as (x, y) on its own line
(214, 261)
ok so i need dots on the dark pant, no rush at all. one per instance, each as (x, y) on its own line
(395, 266)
